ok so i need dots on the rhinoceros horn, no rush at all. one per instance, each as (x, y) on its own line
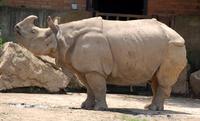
(30, 19)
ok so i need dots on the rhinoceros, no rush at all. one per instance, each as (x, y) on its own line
(104, 52)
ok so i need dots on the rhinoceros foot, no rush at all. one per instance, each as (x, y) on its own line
(101, 106)
(154, 107)
(88, 105)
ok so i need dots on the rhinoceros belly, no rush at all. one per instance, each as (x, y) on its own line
(137, 51)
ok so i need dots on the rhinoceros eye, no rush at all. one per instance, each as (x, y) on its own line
(48, 33)
(33, 30)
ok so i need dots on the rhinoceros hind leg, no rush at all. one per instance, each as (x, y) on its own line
(167, 75)
(158, 100)
(154, 87)
(97, 83)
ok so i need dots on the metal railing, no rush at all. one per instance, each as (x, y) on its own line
(118, 16)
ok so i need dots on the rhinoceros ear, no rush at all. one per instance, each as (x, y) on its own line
(53, 25)
(56, 20)
(30, 19)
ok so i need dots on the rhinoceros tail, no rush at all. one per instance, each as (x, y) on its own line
(177, 42)
(173, 37)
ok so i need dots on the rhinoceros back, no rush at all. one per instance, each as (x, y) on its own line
(138, 48)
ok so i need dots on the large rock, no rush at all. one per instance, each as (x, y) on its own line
(195, 83)
(74, 82)
(181, 87)
(20, 68)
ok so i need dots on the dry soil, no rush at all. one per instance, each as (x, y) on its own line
(53, 107)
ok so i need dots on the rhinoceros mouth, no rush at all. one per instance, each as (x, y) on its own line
(18, 32)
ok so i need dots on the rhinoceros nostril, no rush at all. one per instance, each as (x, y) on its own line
(17, 28)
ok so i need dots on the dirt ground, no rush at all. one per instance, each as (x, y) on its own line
(53, 107)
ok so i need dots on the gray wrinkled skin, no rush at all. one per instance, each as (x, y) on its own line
(114, 52)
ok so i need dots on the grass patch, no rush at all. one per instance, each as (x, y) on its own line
(2, 41)
(127, 118)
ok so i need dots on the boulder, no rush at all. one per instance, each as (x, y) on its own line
(195, 83)
(20, 68)
(74, 82)
(181, 87)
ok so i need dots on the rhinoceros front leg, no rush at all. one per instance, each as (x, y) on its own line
(97, 83)
(90, 100)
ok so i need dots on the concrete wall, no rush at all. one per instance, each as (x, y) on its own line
(189, 28)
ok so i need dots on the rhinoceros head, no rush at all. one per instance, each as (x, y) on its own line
(40, 41)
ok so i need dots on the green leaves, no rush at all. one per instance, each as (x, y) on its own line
(127, 118)
(2, 2)
(2, 41)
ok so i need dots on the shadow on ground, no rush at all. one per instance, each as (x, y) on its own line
(134, 111)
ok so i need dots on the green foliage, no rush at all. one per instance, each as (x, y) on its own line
(2, 41)
(127, 118)
(2, 2)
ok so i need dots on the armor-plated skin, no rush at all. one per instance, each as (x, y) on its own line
(114, 52)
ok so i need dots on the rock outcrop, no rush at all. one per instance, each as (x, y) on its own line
(181, 87)
(20, 68)
(195, 83)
